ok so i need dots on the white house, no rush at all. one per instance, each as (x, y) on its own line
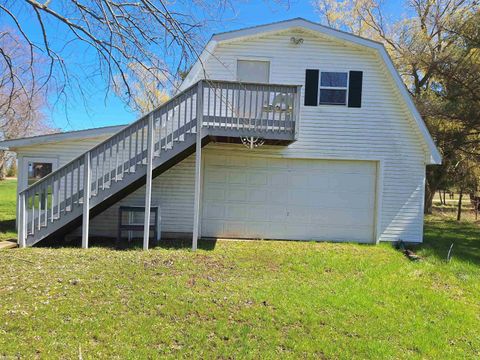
(304, 133)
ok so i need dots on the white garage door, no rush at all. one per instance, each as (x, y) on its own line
(271, 198)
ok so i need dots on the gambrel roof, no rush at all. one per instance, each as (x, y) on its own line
(300, 23)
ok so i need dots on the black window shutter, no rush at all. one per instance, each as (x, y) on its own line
(355, 89)
(311, 87)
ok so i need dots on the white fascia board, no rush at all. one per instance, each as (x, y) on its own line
(69, 135)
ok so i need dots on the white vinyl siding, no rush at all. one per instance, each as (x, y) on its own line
(382, 129)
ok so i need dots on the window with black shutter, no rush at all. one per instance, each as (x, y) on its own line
(333, 88)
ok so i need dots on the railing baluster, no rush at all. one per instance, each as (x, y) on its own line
(172, 122)
(137, 127)
(59, 189)
(22, 229)
(97, 171)
(238, 108)
(33, 212)
(65, 189)
(184, 116)
(220, 100)
(104, 151)
(250, 108)
(71, 186)
(123, 154)
(45, 214)
(54, 197)
(255, 108)
(228, 120)
(179, 118)
(207, 87)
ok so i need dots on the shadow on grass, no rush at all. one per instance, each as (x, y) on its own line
(439, 235)
(7, 225)
(135, 244)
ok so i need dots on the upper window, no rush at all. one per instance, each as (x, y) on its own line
(253, 71)
(333, 88)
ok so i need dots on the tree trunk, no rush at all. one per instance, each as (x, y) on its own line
(3, 164)
(459, 210)
(429, 194)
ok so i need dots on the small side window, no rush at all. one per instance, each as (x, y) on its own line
(38, 170)
(333, 88)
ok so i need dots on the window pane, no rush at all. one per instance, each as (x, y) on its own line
(37, 170)
(334, 79)
(253, 71)
(333, 97)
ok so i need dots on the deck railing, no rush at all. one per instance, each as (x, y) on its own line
(227, 106)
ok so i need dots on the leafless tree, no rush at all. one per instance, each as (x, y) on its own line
(21, 104)
(157, 38)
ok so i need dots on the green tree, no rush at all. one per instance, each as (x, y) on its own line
(435, 47)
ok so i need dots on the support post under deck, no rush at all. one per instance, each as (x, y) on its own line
(87, 173)
(198, 168)
(148, 186)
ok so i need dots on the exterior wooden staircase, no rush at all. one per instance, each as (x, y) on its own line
(206, 111)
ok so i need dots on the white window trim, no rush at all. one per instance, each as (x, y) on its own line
(320, 87)
(254, 58)
(24, 170)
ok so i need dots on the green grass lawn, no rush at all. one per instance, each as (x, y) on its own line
(8, 199)
(246, 299)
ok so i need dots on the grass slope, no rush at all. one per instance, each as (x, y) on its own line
(244, 299)
(240, 299)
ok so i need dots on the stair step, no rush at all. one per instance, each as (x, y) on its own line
(7, 245)
(124, 179)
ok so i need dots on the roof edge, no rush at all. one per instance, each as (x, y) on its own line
(433, 158)
(60, 136)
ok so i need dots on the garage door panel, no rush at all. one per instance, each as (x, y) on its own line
(277, 214)
(236, 194)
(234, 229)
(236, 176)
(236, 211)
(216, 176)
(300, 197)
(257, 195)
(349, 233)
(351, 184)
(289, 198)
(300, 180)
(277, 196)
(214, 210)
(257, 212)
(257, 178)
(277, 179)
(215, 159)
(298, 214)
(340, 217)
(214, 193)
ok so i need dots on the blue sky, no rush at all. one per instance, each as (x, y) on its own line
(99, 110)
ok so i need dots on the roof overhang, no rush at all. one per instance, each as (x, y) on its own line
(62, 136)
(434, 156)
